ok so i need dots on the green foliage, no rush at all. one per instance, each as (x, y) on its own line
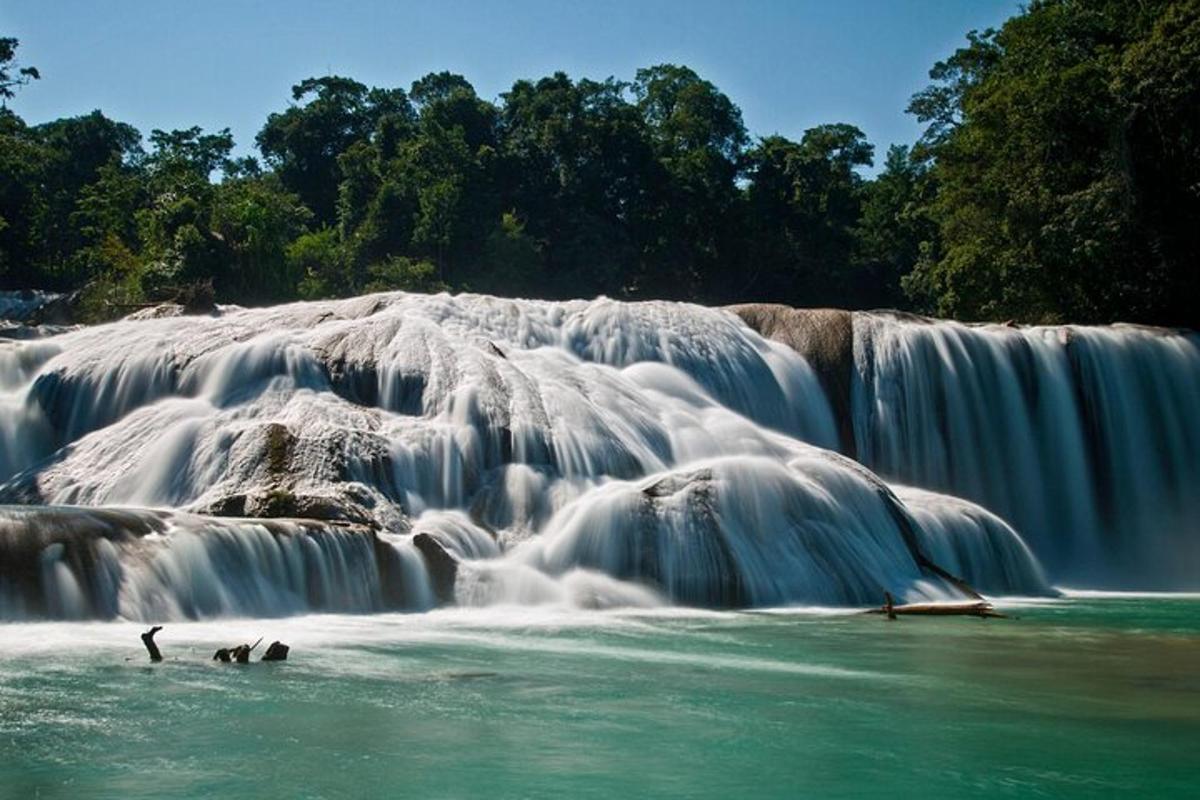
(11, 74)
(257, 220)
(175, 231)
(304, 142)
(44, 170)
(317, 258)
(116, 286)
(803, 208)
(894, 230)
(583, 188)
(191, 150)
(512, 261)
(1066, 152)
(1058, 178)
(402, 274)
(698, 137)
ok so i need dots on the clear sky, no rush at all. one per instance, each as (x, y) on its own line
(788, 65)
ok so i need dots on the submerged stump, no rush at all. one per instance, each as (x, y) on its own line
(151, 647)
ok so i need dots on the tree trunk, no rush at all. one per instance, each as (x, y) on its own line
(976, 609)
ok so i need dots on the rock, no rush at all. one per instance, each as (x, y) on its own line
(197, 298)
(160, 311)
(281, 503)
(443, 567)
(233, 505)
(21, 331)
(277, 651)
(675, 483)
(37, 541)
(57, 310)
(825, 337)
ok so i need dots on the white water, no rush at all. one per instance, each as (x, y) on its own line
(158, 565)
(759, 531)
(1086, 440)
(583, 454)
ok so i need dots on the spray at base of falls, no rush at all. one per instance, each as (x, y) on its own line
(588, 453)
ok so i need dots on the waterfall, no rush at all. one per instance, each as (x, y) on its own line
(398, 451)
(77, 563)
(741, 531)
(971, 542)
(1086, 440)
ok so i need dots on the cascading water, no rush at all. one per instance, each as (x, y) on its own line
(972, 542)
(1087, 440)
(424, 448)
(71, 562)
(755, 531)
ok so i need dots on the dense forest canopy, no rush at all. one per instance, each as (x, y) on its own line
(1058, 179)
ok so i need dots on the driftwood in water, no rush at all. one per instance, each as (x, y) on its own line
(151, 647)
(240, 654)
(276, 651)
(980, 608)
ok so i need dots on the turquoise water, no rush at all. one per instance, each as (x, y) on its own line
(1082, 697)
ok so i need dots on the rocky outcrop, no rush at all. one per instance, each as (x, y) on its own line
(825, 337)
(443, 567)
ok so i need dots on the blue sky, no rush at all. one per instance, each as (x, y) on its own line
(788, 65)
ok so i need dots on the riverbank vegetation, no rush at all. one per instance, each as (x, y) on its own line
(1058, 179)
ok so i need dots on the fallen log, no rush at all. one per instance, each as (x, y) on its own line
(979, 608)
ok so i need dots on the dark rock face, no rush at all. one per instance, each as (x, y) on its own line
(283, 504)
(276, 651)
(443, 567)
(38, 308)
(825, 337)
(21, 331)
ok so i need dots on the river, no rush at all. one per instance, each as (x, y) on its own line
(1083, 696)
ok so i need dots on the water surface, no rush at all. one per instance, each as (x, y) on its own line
(1082, 697)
